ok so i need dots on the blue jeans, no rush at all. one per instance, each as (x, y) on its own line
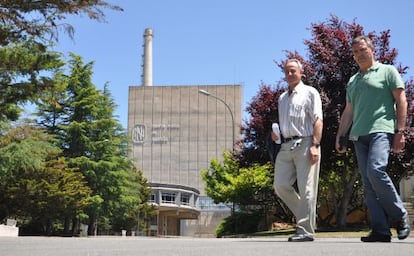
(383, 202)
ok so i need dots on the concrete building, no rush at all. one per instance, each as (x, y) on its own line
(176, 131)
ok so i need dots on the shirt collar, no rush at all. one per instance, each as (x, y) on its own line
(372, 68)
(298, 87)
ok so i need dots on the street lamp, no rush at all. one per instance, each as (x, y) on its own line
(227, 106)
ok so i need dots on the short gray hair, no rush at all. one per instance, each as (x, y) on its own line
(296, 61)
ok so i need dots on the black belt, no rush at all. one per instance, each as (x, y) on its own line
(292, 138)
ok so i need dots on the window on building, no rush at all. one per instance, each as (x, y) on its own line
(152, 199)
(168, 198)
(206, 202)
(185, 199)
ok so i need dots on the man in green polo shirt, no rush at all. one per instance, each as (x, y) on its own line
(375, 113)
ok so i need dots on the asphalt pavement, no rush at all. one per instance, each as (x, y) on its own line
(183, 246)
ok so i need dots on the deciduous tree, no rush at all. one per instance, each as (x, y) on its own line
(328, 67)
(36, 185)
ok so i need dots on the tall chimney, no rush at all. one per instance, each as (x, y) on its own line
(147, 63)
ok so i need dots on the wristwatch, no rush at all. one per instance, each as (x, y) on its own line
(400, 131)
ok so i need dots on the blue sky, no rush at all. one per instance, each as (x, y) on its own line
(212, 42)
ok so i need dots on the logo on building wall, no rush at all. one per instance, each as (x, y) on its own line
(138, 134)
(157, 134)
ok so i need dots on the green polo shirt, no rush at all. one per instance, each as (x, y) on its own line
(372, 101)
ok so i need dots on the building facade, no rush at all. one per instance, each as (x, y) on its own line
(176, 131)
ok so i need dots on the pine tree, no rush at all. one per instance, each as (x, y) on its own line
(94, 142)
(27, 30)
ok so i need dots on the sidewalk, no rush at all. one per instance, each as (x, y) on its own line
(125, 246)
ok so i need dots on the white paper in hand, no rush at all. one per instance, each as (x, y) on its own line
(276, 130)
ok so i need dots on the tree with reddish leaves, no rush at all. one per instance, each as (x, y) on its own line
(328, 68)
(332, 61)
(263, 112)
(401, 166)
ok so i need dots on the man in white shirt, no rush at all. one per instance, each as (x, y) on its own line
(300, 118)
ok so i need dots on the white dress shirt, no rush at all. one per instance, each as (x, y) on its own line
(299, 111)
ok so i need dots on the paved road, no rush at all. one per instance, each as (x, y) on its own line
(146, 246)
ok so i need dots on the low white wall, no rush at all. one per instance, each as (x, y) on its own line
(407, 189)
(8, 230)
(205, 225)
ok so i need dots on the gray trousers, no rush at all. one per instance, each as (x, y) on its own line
(293, 164)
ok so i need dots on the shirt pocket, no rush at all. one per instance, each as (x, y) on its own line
(296, 111)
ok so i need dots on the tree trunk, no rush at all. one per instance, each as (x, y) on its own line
(93, 226)
(66, 226)
(342, 212)
(75, 226)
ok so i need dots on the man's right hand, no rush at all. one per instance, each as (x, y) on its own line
(274, 136)
(341, 144)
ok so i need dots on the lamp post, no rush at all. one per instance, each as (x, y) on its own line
(227, 106)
